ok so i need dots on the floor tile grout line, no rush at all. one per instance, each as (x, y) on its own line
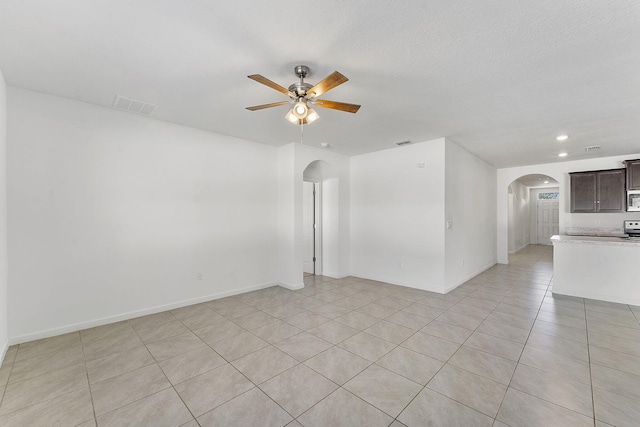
(542, 398)
(86, 369)
(37, 376)
(507, 387)
(352, 377)
(517, 362)
(593, 398)
(165, 375)
(440, 369)
(248, 379)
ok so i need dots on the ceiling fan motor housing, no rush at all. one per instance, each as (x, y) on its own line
(301, 71)
(300, 88)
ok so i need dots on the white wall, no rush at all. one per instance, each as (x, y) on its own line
(4, 331)
(397, 215)
(520, 210)
(559, 172)
(471, 214)
(112, 215)
(287, 273)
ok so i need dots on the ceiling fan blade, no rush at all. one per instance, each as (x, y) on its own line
(342, 106)
(263, 106)
(331, 81)
(265, 81)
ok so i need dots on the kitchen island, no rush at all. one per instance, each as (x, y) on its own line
(603, 268)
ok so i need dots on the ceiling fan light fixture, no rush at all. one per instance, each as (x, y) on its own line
(312, 116)
(291, 117)
(300, 110)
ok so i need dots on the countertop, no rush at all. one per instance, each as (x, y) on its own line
(595, 240)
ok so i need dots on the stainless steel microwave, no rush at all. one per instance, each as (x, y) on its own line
(633, 201)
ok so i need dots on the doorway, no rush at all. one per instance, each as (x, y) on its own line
(548, 219)
(310, 220)
(320, 211)
(533, 211)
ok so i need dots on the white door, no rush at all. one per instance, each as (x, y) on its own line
(308, 211)
(548, 220)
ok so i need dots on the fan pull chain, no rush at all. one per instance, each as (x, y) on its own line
(301, 132)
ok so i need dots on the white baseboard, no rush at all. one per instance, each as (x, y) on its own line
(291, 287)
(335, 275)
(411, 285)
(519, 249)
(133, 314)
(391, 282)
(3, 350)
(470, 276)
(580, 293)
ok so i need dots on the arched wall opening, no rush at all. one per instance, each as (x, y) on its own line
(331, 170)
(318, 185)
(532, 211)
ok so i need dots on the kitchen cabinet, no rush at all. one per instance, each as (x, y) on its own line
(633, 174)
(598, 191)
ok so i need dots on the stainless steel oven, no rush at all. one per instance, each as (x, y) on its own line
(632, 227)
(633, 201)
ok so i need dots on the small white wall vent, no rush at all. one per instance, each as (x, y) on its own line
(592, 148)
(403, 142)
(133, 105)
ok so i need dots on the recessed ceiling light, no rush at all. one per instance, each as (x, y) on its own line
(546, 181)
(563, 154)
(324, 144)
(562, 137)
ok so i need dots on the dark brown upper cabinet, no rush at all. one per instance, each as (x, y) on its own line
(598, 191)
(633, 174)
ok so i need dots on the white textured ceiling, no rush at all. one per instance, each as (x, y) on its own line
(501, 78)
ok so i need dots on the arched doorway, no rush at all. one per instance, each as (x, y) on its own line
(533, 211)
(315, 179)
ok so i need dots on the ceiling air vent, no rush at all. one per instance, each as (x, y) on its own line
(403, 142)
(592, 148)
(133, 105)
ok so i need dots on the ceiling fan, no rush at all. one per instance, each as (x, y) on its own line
(303, 96)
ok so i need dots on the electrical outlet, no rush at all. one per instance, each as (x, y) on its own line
(198, 276)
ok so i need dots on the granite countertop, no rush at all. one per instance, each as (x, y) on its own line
(595, 231)
(596, 240)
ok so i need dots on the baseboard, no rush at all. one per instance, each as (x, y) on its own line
(470, 276)
(133, 314)
(391, 282)
(291, 287)
(580, 293)
(411, 285)
(519, 249)
(335, 276)
(3, 350)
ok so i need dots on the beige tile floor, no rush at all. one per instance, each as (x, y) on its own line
(499, 350)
